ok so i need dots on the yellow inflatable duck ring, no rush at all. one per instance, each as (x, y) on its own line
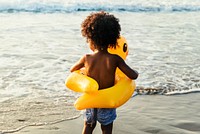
(112, 97)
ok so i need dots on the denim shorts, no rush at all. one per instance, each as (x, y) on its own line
(104, 116)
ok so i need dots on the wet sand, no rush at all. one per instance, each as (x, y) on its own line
(36, 56)
(152, 114)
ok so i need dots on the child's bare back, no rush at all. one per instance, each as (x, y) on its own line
(102, 65)
(102, 31)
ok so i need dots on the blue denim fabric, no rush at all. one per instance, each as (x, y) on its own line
(104, 116)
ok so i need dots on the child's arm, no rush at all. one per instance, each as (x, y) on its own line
(78, 65)
(132, 74)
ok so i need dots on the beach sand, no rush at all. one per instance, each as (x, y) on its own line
(153, 114)
(38, 48)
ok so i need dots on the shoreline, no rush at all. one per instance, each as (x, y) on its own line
(140, 115)
(21, 128)
(73, 126)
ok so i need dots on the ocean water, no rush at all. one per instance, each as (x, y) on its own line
(40, 40)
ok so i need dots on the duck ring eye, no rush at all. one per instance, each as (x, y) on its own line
(125, 47)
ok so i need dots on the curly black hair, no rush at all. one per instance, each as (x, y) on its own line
(102, 29)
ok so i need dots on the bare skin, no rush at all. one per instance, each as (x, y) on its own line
(101, 66)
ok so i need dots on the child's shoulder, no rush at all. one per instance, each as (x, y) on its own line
(88, 55)
(115, 57)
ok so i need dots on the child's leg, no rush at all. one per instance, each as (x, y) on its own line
(88, 128)
(107, 129)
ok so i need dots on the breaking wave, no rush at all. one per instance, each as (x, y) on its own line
(68, 7)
